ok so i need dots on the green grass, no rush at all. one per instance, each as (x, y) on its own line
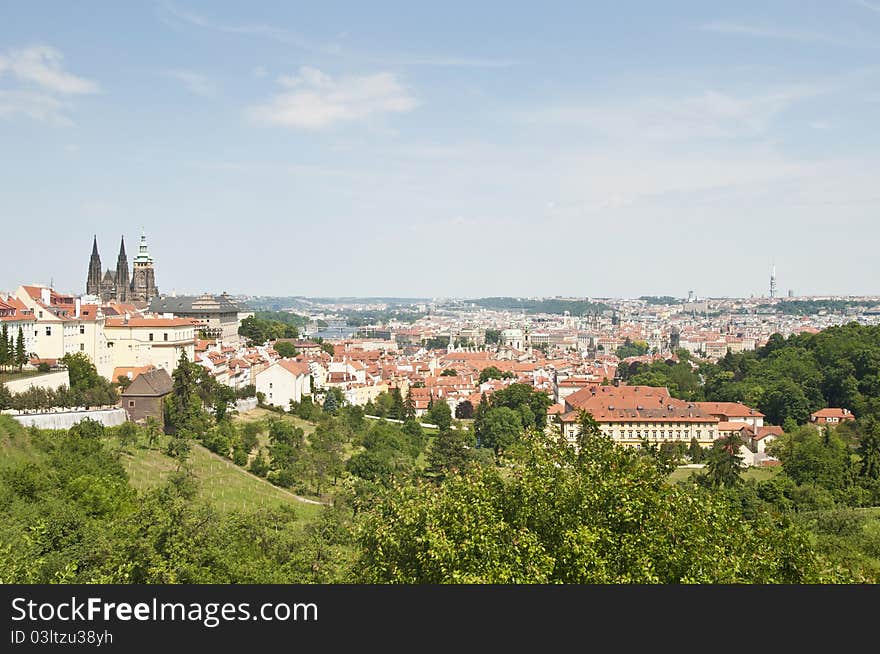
(758, 474)
(24, 374)
(222, 483)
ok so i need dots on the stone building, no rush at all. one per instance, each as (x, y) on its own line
(119, 285)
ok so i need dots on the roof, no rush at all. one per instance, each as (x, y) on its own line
(184, 304)
(768, 430)
(634, 404)
(734, 426)
(730, 409)
(148, 322)
(295, 367)
(832, 413)
(130, 371)
(154, 383)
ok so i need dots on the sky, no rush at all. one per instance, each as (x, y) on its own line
(589, 149)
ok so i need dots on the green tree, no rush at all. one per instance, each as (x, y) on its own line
(464, 410)
(869, 449)
(20, 354)
(493, 336)
(449, 372)
(285, 349)
(440, 414)
(6, 354)
(695, 451)
(185, 407)
(604, 515)
(490, 372)
(723, 462)
(500, 428)
(409, 407)
(450, 453)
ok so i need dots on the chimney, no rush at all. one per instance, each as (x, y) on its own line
(45, 295)
(78, 307)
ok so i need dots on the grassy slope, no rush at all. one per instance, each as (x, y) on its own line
(222, 483)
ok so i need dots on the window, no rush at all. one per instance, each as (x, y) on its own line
(109, 343)
(165, 335)
(270, 384)
(82, 329)
(82, 347)
(151, 337)
(48, 331)
(130, 404)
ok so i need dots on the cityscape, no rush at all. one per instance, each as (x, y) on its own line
(478, 295)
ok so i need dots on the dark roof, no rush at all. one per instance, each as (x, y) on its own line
(184, 304)
(154, 383)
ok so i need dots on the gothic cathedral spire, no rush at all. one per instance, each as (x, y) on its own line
(93, 281)
(122, 281)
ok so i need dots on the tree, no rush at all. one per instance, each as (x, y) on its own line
(449, 372)
(500, 428)
(185, 408)
(450, 453)
(332, 401)
(20, 354)
(464, 410)
(517, 395)
(6, 355)
(396, 411)
(869, 449)
(440, 414)
(493, 336)
(695, 451)
(409, 407)
(588, 428)
(492, 372)
(325, 456)
(556, 516)
(723, 463)
(285, 349)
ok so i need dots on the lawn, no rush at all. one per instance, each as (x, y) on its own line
(758, 474)
(221, 482)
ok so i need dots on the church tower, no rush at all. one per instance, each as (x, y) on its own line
(143, 282)
(122, 284)
(93, 282)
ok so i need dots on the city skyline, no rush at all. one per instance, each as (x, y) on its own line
(602, 151)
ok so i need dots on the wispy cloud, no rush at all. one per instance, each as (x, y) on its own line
(784, 33)
(196, 83)
(868, 5)
(289, 37)
(35, 105)
(316, 101)
(41, 65)
(41, 85)
(711, 114)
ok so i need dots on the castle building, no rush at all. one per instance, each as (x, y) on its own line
(118, 286)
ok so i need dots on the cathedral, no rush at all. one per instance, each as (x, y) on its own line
(116, 285)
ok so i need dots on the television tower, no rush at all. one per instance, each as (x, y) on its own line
(772, 281)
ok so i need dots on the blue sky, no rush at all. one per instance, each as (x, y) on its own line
(462, 148)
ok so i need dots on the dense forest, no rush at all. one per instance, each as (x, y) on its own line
(787, 379)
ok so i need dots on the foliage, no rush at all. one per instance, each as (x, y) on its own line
(632, 349)
(492, 372)
(601, 515)
(285, 349)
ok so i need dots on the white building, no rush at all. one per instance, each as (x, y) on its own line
(284, 381)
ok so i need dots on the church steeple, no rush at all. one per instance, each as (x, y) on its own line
(93, 281)
(122, 283)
